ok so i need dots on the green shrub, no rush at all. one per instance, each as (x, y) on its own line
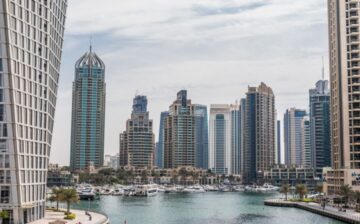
(71, 216)
(307, 200)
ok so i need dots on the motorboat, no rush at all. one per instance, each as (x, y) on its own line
(146, 190)
(194, 189)
(87, 193)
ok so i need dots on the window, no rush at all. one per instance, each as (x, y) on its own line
(4, 194)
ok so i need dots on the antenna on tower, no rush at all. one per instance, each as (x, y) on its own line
(323, 69)
(90, 44)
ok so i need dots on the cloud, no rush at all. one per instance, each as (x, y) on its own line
(214, 48)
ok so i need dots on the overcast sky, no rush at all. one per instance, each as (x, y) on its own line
(213, 48)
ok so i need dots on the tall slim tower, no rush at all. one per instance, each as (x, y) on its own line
(306, 160)
(137, 142)
(344, 46)
(30, 55)
(292, 136)
(88, 112)
(224, 153)
(179, 133)
(160, 145)
(320, 126)
(259, 133)
(201, 137)
(278, 142)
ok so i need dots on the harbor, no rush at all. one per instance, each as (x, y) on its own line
(212, 207)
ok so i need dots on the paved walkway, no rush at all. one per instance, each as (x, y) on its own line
(350, 216)
(52, 216)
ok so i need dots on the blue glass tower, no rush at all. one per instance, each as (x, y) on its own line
(88, 113)
(159, 153)
(201, 137)
(320, 126)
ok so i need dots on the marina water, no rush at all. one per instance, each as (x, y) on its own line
(201, 208)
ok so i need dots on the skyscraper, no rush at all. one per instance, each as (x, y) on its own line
(30, 54)
(179, 133)
(137, 142)
(292, 136)
(201, 137)
(306, 160)
(278, 142)
(345, 94)
(160, 145)
(259, 132)
(224, 153)
(320, 126)
(88, 113)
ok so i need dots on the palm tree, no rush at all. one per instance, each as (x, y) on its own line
(69, 196)
(301, 190)
(345, 191)
(285, 189)
(4, 215)
(356, 195)
(56, 196)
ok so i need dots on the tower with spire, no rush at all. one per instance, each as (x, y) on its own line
(88, 112)
(319, 115)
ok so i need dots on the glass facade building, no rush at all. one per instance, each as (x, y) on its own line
(320, 126)
(88, 113)
(201, 137)
(293, 135)
(31, 40)
(159, 157)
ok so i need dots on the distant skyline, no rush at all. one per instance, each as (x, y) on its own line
(212, 48)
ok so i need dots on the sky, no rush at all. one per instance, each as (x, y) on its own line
(213, 48)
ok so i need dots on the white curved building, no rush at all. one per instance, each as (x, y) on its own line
(31, 39)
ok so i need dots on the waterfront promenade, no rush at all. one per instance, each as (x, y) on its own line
(81, 217)
(350, 216)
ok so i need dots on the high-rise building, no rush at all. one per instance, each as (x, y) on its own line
(306, 160)
(344, 61)
(236, 146)
(242, 111)
(137, 143)
(159, 155)
(292, 136)
(259, 132)
(225, 139)
(179, 133)
(31, 39)
(278, 142)
(220, 135)
(88, 113)
(201, 137)
(320, 126)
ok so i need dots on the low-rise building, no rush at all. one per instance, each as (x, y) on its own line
(59, 177)
(279, 176)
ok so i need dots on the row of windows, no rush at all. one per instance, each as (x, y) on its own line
(32, 193)
(33, 162)
(33, 148)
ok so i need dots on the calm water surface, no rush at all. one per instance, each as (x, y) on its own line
(207, 208)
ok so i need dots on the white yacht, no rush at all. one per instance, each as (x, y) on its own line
(146, 190)
(194, 189)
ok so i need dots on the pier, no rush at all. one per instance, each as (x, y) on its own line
(352, 217)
